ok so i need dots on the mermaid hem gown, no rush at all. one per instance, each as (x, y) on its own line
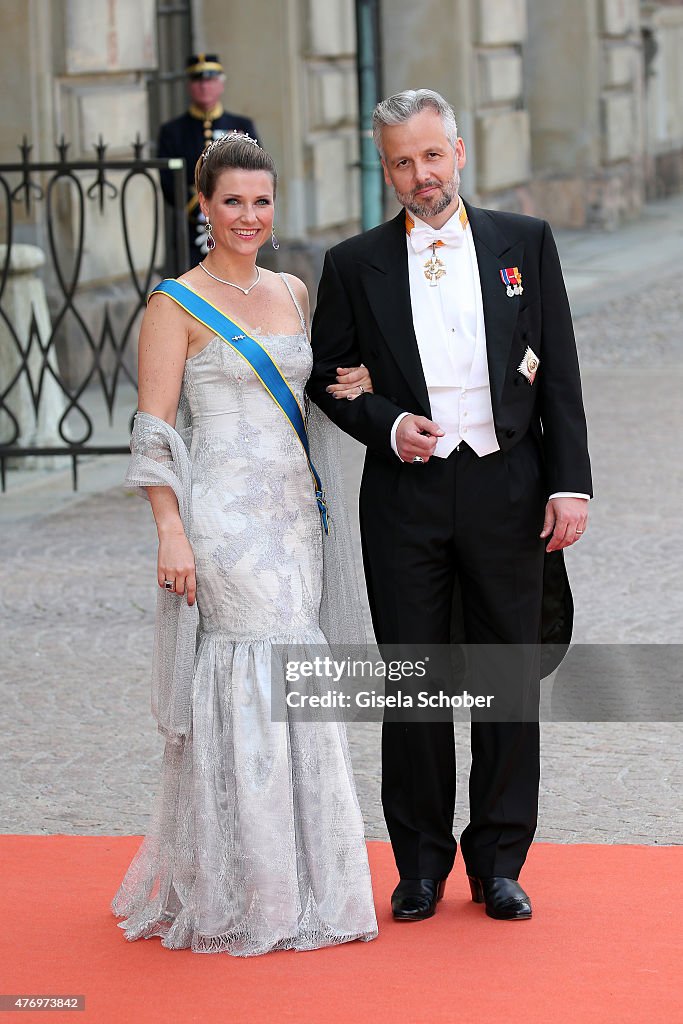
(257, 838)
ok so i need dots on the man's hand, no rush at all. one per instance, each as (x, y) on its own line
(565, 519)
(416, 435)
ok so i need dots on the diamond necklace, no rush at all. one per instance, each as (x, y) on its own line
(221, 280)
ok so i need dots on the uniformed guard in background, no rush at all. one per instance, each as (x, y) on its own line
(188, 135)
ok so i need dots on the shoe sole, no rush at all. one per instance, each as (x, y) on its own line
(413, 918)
(516, 917)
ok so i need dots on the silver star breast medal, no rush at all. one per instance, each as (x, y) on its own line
(529, 365)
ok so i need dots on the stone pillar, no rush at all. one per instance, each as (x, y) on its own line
(583, 89)
(25, 306)
(331, 97)
(26, 82)
(621, 192)
(503, 137)
(100, 52)
(14, 27)
(663, 66)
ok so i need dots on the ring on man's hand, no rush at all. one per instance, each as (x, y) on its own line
(361, 389)
(169, 585)
(578, 531)
(418, 458)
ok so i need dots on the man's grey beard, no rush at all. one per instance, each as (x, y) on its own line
(436, 206)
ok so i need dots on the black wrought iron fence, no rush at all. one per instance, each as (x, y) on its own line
(59, 332)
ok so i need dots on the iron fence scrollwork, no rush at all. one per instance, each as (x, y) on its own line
(35, 338)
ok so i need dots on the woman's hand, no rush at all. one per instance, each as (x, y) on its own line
(176, 563)
(351, 383)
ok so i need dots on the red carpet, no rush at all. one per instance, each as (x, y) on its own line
(605, 945)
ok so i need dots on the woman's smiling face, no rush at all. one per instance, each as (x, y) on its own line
(240, 210)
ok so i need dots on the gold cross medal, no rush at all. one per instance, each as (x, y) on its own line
(435, 268)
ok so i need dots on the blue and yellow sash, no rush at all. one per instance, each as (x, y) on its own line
(260, 361)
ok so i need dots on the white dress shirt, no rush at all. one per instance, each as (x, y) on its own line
(449, 327)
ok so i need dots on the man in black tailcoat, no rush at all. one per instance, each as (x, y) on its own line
(189, 135)
(477, 465)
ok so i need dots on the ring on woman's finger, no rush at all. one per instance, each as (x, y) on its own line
(578, 530)
(361, 390)
(169, 584)
(418, 458)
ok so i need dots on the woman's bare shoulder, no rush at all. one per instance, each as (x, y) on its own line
(297, 284)
(300, 290)
(163, 313)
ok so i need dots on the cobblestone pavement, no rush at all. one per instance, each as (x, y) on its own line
(80, 753)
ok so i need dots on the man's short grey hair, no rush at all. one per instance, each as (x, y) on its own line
(400, 107)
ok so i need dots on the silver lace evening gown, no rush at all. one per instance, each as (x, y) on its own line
(257, 839)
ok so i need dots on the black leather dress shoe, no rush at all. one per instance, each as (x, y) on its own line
(415, 899)
(504, 898)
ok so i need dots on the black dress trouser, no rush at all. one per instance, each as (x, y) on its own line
(472, 522)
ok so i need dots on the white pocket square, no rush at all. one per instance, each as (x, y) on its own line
(529, 365)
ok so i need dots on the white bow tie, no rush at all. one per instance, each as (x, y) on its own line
(422, 236)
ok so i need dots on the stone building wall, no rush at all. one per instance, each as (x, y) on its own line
(573, 111)
(570, 111)
(549, 98)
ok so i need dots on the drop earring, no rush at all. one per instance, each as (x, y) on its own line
(210, 240)
(274, 241)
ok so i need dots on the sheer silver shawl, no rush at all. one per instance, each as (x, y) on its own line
(159, 457)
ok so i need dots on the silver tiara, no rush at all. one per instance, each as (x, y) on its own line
(229, 137)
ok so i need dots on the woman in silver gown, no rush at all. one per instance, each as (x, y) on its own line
(257, 838)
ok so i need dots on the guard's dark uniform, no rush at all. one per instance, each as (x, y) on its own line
(187, 136)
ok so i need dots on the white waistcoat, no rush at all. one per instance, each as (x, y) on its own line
(451, 338)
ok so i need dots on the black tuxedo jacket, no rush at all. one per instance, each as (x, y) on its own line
(364, 315)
